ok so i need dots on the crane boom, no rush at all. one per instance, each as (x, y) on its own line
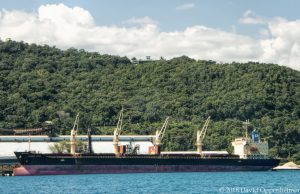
(73, 135)
(160, 134)
(117, 133)
(201, 135)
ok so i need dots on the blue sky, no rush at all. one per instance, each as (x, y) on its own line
(245, 25)
(221, 14)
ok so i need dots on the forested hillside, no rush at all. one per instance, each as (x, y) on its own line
(40, 83)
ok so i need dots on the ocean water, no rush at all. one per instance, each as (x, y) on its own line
(169, 183)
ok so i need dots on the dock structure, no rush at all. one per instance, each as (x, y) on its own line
(100, 138)
(42, 143)
(7, 164)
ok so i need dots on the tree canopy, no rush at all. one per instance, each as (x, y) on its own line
(40, 83)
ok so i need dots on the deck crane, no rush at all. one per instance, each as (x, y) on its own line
(159, 135)
(117, 133)
(201, 135)
(73, 135)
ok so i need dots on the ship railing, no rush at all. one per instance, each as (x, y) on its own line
(150, 156)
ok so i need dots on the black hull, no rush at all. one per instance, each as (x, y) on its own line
(42, 164)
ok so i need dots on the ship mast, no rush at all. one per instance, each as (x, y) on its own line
(73, 135)
(246, 125)
(201, 135)
(117, 133)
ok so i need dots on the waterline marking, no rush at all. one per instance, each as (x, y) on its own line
(258, 190)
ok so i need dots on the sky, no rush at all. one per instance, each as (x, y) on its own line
(266, 31)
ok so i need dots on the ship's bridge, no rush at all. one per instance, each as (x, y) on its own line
(252, 148)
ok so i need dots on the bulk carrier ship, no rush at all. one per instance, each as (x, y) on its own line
(250, 154)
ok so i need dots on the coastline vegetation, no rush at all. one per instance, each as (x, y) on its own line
(40, 83)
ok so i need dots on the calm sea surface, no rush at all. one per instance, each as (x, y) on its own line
(213, 182)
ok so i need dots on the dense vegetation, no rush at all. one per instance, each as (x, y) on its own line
(40, 83)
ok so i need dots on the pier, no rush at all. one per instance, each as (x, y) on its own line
(42, 143)
(7, 164)
(95, 138)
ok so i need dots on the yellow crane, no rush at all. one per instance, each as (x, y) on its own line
(117, 133)
(159, 135)
(201, 135)
(73, 135)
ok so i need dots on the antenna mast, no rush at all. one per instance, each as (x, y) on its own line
(246, 125)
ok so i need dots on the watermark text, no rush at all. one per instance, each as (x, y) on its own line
(258, 190)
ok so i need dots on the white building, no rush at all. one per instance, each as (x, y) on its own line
(100, 144)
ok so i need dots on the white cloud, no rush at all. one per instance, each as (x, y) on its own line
(283, 46)
(142, 21)
(75, 27)
(250, 17)
(264, 32)
(61, 14)
(185, 6)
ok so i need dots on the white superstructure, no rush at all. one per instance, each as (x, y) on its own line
(252, 147)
